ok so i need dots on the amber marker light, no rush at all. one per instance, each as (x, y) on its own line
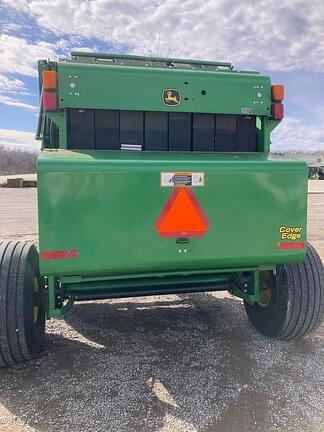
(49, 80)
(277, 92)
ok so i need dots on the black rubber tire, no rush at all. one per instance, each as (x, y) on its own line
(20, 336)
(296, 307)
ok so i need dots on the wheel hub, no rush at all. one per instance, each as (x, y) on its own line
(266, 283)
(265, 297)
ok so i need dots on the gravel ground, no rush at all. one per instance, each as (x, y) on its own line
(18, 214)
(164, 363)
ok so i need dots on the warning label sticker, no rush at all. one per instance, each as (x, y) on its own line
(173, 179)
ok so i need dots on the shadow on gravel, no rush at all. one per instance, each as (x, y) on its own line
(175, 363)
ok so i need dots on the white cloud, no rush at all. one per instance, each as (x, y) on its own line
(272, 34)
(20, 56)
(11, 90)
(8, 85)
(18, 139)
(8, 100)
(293, 135)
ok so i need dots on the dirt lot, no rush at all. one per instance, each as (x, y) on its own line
(172, 363)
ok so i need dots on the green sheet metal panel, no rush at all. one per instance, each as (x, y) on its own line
(104, 205)
(100, 86)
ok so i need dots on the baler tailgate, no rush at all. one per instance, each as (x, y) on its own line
(104, 207)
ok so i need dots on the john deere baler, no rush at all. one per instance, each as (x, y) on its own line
(155, 177)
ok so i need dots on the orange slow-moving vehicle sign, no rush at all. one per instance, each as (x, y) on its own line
(182, 216)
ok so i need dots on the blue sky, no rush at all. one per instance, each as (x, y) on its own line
(284, 39)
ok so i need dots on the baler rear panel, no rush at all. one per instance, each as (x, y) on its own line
(140, 88)
(104, 205)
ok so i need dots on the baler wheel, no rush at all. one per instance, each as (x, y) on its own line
(296, 304)
(22, 313)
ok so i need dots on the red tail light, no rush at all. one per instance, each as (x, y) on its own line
(277, 111)
(49, 101)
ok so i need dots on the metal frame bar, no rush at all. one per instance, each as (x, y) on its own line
(61, 293)
(76, 54)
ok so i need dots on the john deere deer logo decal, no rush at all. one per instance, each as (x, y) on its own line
(171, 97)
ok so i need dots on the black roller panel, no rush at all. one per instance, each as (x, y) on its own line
(225, 134)
(160, 131)
(156, 131)
(107, 129)
(131, 127)
(203, 132)
(180, 132)
(81, 129)
(246, 134)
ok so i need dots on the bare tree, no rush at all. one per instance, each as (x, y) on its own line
(17, 161)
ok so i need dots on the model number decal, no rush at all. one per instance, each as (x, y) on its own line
(173, 179)
(290, 232)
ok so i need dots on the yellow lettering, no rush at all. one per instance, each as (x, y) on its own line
(290, 233)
